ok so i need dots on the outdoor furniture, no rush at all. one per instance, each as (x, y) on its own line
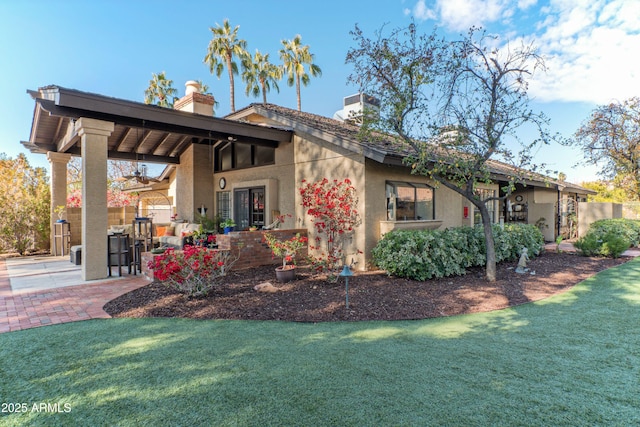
(137, 256)
(143, 233)
(142, 241)
(75, 255)
(178, 236)
(62, 234)
(118, 252)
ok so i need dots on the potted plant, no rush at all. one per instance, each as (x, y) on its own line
(228, 225)
(59, 210)
(285, 249)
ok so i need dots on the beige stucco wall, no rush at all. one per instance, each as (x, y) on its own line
(194, 183)
(277, 179)
(449, 205)
(546, 211)
(591, 212)
(545, 195)
(315, 160)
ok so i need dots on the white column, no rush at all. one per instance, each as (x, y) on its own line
(93, 139)
(58, 187)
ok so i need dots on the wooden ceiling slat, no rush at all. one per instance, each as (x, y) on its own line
(120, 141)
(161, 141)
(179, 147)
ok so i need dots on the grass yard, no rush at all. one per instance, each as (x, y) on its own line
(573, 359)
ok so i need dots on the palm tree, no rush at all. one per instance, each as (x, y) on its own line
(260, 75)
(160, 90)
(295, 56)
(222, 48)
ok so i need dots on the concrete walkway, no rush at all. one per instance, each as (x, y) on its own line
(39, 291)
(568, 247)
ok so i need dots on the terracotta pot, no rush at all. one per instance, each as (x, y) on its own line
(286, 275)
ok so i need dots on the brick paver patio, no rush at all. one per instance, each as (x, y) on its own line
(60, 305)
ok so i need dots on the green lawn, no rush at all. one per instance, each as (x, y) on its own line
(573, 359)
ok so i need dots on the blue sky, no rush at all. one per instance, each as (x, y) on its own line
(112, 47)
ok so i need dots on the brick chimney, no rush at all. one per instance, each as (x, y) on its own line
(195, 102)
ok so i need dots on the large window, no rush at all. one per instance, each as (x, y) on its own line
(485, 194)
(234, 155)
(409, 201)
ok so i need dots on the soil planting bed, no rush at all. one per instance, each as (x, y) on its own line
(372, 295)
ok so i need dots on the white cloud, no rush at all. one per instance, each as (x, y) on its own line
(590, 48)
(591, 45)
(421, 12)
(459, 15)
(525, 4)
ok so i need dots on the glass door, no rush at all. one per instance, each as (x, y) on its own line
(248, 207)
(257, 207)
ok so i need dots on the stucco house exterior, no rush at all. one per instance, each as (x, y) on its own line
(390, 197)
(250, 164)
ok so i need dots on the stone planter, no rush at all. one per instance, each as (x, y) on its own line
(286, 274)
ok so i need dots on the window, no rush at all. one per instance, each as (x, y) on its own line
(234, 155)
(225, 158)
(485, 194)
(409, 201)
(243, 156)
(223, 204)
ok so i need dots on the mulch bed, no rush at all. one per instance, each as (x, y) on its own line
(372, 295)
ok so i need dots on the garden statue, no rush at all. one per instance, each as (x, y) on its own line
(522, 263)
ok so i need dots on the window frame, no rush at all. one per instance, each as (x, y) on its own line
(229, 145)
(477, 218)
(392, 205)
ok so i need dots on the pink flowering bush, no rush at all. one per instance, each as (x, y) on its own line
(332, 207)
(192, 271)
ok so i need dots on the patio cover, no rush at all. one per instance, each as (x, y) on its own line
(68, 122)
(142, 132)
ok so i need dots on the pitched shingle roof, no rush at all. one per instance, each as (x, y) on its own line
(383, 150)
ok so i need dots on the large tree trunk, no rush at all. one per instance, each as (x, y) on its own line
(490, 244)
(264, 92)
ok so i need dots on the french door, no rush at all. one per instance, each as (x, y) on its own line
(248, 207)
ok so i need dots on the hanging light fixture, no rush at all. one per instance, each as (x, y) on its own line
(140, 174)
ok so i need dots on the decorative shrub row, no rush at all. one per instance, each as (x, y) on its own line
(609, 237)
(629, 229)
(424, 254)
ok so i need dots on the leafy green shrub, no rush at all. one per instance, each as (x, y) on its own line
(523, 236)
(588, 245)
(627, 228)
(425, 254)
(609, 237)
(614, 245)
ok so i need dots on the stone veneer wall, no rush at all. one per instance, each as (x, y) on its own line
(248, 246)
